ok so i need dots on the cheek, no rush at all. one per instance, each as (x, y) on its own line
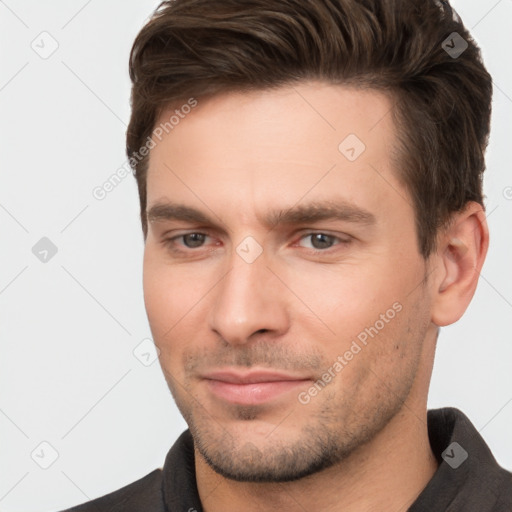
(347, 297)
(164, 310)
(165, 298)
(382, 372)
(176, 298)
(370, 313)
(168, 289)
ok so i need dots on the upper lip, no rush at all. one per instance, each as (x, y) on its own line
(250, 377)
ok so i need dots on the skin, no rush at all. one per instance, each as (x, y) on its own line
(360, 443)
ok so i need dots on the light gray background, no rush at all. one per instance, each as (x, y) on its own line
(68, 375)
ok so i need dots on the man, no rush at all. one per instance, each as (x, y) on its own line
(310, 179)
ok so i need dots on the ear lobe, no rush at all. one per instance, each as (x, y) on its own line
(460, 256)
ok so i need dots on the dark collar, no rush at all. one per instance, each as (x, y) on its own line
(476, 483)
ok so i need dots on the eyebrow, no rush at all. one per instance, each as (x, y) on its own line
(301, 214)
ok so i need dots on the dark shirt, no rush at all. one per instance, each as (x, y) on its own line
(468, 478)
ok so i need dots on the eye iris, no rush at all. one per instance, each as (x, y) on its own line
(317, 238)
(197, 239)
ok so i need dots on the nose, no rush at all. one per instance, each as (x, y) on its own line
(248, 301)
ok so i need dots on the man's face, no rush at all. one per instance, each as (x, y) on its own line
(285, 345)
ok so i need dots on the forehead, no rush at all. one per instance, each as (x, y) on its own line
(320, 110)
(263, 148)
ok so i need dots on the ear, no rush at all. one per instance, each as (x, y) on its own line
(459, 258)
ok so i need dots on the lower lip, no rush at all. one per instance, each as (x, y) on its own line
(254, 393)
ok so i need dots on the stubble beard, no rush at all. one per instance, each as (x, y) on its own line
(328, 438)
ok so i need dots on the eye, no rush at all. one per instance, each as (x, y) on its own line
(321, 242)
(190, 241)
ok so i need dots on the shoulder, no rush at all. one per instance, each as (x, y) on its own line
(143, 494)
(504, 491)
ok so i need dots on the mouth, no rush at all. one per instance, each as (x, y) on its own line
(252, 387)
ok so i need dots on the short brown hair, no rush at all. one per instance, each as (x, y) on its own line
(442, 101)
